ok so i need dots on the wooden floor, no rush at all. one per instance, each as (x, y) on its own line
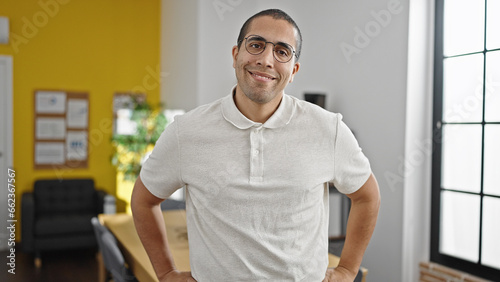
(76, 265)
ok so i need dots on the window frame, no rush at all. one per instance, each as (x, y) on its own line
(463, 265)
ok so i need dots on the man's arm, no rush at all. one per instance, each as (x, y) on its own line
(150, 227)
(362, 218)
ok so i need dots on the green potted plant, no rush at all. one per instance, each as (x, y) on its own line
(132, 149)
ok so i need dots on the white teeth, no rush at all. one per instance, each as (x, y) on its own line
(264, 77)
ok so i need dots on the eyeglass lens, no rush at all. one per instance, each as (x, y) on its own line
(256, 45)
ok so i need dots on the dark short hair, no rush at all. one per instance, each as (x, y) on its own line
(276, 14)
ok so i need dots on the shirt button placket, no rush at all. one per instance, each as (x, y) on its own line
(256, 156)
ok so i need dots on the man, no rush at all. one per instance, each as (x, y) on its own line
(255, 164)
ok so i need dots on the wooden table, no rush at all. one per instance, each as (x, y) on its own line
(122, 226)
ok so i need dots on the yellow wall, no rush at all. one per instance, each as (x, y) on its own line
(97, 46)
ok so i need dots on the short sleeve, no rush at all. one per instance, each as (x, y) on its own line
(351, 166)
(161, 172)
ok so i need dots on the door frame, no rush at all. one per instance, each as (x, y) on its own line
(6, 150)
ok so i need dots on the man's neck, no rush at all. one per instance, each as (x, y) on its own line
(256, 112)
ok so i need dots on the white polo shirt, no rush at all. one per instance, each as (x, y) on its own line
(257, 202)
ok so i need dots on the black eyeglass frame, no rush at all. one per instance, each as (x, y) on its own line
(274, 45)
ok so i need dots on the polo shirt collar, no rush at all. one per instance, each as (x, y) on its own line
(280, 118)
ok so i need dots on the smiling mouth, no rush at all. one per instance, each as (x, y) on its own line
(261, 77)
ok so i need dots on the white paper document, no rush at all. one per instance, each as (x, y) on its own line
(49, 153)
(78, 113)
(4, 30)
(50, 102)
(76, 146)
(50, 128)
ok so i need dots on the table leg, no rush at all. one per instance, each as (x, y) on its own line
(101, 269)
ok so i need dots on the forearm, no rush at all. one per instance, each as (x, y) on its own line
(360, 226)
(150, 226)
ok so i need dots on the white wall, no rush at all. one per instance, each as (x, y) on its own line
(179, 53)
(220, 23)
(369, 87)
(369, 90)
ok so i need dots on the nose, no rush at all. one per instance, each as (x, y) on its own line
(266, 58)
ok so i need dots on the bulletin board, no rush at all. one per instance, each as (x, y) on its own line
(61, 129)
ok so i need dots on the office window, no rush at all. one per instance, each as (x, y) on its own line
(465, 228)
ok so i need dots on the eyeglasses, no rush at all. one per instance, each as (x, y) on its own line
(282, 52)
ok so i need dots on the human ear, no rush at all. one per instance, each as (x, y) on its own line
(296, 68)
(235, 52)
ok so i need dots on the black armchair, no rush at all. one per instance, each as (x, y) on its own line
(56, 215)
